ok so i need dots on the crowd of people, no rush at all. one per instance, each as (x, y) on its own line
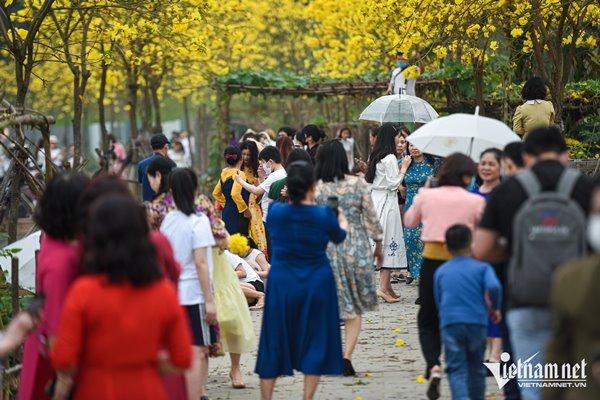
(139, 295)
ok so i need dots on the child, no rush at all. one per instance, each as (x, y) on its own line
(246, 248)
(461, 287)
(251, 284)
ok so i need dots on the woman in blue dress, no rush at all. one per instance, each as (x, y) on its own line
(415, 168)
(231, 197)
(301, 322)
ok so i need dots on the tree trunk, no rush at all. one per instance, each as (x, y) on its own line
(187, 128)
(102, 108)
(77, 117)
(223, 103)
(202, 142)
(478, 76)
(157, 128)
(146, 109)
(47, 156)
(132, 87)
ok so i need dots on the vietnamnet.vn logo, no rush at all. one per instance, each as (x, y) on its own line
(538, 375)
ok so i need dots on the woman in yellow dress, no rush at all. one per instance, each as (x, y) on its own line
(250, 169)
(235, 323)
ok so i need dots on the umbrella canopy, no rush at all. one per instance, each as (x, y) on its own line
(399, 108)
(469, 134)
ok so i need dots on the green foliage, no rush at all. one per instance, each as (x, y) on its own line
(589, 129)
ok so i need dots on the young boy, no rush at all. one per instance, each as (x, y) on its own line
(463, 289)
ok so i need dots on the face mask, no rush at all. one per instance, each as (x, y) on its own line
(593, 232)
(401, 64)
(267, 168)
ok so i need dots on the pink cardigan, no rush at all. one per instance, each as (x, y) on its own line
(440, 208)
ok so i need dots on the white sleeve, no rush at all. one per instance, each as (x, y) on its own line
(392, 173)
(266, 184)
(201, 233)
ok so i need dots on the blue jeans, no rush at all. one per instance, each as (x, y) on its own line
(464, 347)
(530, 330)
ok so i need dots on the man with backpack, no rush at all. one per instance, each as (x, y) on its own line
(536, 221)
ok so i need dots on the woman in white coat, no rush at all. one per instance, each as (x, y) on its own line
(385, 177)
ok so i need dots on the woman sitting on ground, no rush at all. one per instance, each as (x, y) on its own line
(246, 249)
(251, 284)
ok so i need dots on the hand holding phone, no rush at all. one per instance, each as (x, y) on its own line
(333, 202)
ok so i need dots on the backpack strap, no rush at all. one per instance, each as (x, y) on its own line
(567, 181)
(529, 182)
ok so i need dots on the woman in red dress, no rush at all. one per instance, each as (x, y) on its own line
(57, 266)
(118, 318)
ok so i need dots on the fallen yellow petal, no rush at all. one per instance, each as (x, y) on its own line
(400, 342)
(368, 375)
(358, 398)
(397, 330)
(420, 379)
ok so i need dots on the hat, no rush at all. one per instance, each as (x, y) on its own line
(53, 139)
(158, 141)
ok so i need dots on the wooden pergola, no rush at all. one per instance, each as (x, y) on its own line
(226, 90)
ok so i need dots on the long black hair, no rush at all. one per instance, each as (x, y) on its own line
(183, 184)
(385, 144)
(300, 180)
(253, 149)
(57, 213)
(332, 162)
(164, 166)
(117, 242)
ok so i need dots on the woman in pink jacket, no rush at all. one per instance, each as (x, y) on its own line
(438, 209)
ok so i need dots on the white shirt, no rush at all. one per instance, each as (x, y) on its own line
(398, 80)
(187, 233)
(235, 261)
(254, 253)
(266, 185)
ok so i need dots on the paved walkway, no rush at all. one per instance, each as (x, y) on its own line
(388, 361)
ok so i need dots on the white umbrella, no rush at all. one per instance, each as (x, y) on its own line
(469, 134)
(399, 108)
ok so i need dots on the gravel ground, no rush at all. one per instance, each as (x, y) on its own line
(387, 359)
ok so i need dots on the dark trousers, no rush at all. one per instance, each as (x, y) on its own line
(427, 319)
(511, 389)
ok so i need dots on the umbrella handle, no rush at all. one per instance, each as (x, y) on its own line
(477, 110)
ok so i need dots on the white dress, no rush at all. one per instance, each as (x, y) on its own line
(349, 148)
(384, 192)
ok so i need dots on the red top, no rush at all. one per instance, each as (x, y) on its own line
(112, 333)
(164, 256)
(57, 267)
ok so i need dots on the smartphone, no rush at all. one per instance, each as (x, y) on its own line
(333, 202)
(35, 307)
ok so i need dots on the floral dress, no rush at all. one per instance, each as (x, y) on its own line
(352, 260)
(236, 332)
(415, 178)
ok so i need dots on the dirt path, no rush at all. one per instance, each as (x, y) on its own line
(387, 368)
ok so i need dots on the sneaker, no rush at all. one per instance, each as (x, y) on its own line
(348, 368)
